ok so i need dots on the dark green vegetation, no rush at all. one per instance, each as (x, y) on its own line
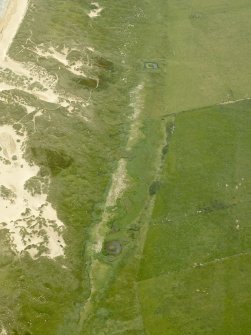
(6, 193)
(175, 253)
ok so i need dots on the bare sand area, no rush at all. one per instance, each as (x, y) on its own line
(95, 11)
(10, 23)
(30, 219)
(24, 210)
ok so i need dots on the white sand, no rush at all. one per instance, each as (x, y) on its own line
(27, 76)
(3, 331)
(10, 23)
(95, 11)
(29, 218)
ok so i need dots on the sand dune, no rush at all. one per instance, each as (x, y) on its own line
(30, 219)
(32, 222)
(9, 25)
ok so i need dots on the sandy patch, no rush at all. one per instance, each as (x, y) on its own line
(118, 184)
(96, 11)
(6, 87)
(119, 178)
(137, 103)
(61, 57)
(229, 102)
(24, 210)
(3, 331)
(29, 77)
(29, 74)
(35, 80)
(10, 23)
(47, 96)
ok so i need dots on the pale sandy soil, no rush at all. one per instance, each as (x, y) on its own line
(32, 223)
(120, 178)
(29, 218)
(29, 74)
(137, 103)
(234, 101)
(118, 186)
(61, 57)
(48, 95)
(3, 331)
(10, 23)
(120, 182)
(22, 76)
(96, 11)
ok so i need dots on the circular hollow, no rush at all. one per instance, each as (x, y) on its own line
(112, 248)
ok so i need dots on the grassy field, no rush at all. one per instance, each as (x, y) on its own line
(194, 268)
(211, 299)
(209, 49)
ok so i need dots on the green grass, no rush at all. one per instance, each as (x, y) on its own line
(209, 51)
(203, 54)
(78, 156)
(206, 300)
(200, 228)
(207, 160)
